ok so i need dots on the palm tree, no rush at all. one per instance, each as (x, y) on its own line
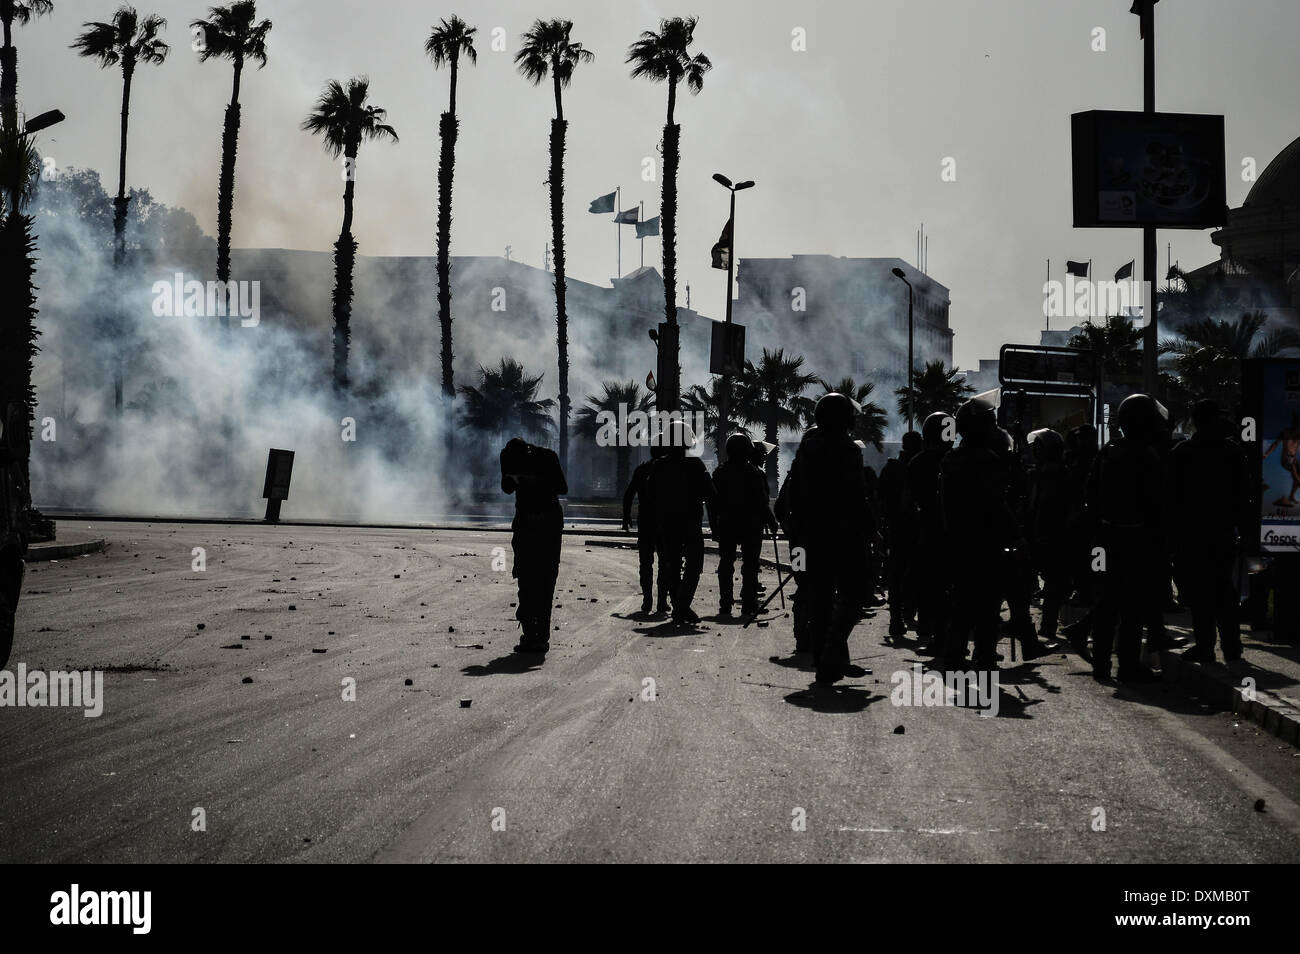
(708, 401)
(869, 426)
(1208, 356)
(617, 395)
(11, 12)
(547, 50)
(18, 331)
(932, 388)
(126, 41)
(231, 32)
(343, 117)
(771, 396)
(505, 402)
(665, 57)
(447, 42)
(1116, 342)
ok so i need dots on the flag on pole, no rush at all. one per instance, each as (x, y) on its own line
(1137, 9)
(627, 216)
(1125, 271)
(647, 228)
(604, 204)
(722, 249)
(1077, 269)
(650, 381)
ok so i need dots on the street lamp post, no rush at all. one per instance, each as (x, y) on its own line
(911, 390)
(724, 393)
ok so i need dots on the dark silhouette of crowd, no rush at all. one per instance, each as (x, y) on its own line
(968, 517)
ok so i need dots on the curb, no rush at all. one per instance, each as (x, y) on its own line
(1277, 716)
(59, 551)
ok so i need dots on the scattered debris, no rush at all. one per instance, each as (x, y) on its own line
(318, 650)
(465, 703)
(899, 730)
(247, 680)
(203, 626)
(1259, 804)
(292, 607)
(469, 646)
(451, 629)
(409, 682)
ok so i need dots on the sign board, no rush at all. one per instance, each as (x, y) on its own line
(1043, 364)
(727, 356)
(1159, 170)
(279, 468)
(1272, 400)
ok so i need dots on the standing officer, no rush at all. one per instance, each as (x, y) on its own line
(900, 534)
(1211, 496)
(647, 539)
(534, 476)
(828, 505)
(1126, 501)
(682, 489)
(738, 518)
(977, 519)
(931, 564)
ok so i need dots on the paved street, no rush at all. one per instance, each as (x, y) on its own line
(729, 754)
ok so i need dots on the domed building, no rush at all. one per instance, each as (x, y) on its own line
(1259, 265)
(1264, 234)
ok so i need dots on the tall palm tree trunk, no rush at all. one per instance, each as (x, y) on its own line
(345, 253)
(9, 79)
(447, 130)
(558, 127)
(120, 203)
(770, 433)
(119, 233)
(226, 186)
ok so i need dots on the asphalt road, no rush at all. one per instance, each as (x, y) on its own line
(570, 761)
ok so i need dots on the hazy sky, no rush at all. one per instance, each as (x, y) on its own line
(845, 139)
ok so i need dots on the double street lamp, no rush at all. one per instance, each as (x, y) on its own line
(911, 385)
(725, 390)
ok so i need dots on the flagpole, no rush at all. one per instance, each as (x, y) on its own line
(642, 219)
(1048, 311)
(618, 204)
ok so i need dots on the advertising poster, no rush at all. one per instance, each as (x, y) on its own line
(1278, 415)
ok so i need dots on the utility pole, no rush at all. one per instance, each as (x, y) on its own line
(1149, 332)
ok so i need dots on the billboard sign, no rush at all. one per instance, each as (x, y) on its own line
(1159, 170)
(1043, 364)
(1272, 393)
(279, 468)
(727, 355)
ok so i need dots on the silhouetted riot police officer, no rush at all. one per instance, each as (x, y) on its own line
(932, 558)
(900, 532)
(1080, 453)
(739, 515)
(1210, 494)
(1126, 502)
(682, 489)
(15, 514)
(534, 476)
(827, 508)
(642, 489)
(799, 600)
(1050, 520)
(980, 526)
